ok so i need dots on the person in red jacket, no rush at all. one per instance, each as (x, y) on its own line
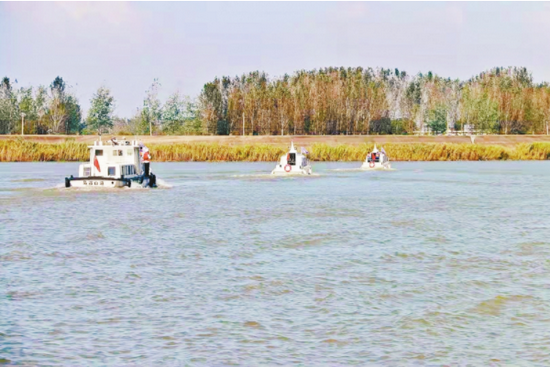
(145, 159)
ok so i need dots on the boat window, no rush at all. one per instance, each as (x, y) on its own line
(117, 153)
(99, 152)
(111, 171)
(129, 152)
(87, 171)
(128, 170)
(292, 159)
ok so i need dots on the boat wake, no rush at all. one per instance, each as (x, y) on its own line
(29, 180)
(377, 169)
(346, 169)
(297, 175)
(360, 169)
(270, 176)
(255, 175)
(161, 184)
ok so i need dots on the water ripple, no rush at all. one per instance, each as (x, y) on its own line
(436, 263)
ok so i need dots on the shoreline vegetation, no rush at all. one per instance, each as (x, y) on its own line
(269, 149)
(327, 101)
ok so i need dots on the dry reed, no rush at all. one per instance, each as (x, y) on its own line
(19, 150)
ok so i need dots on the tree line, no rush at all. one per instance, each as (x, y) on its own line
(324, 101)
(56, 110)
(43, 110)
(382, 101)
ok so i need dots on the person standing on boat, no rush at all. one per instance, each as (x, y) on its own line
(145, 159)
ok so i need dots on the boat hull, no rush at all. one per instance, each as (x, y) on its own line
(109, 183)
(377, 166)
(96, 182)
(294, 171)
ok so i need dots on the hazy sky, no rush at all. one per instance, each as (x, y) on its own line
(126, 45)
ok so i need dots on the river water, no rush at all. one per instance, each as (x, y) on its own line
(434, 263)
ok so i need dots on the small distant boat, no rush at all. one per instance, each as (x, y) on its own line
(377, 160)
(115, 164)
(293, 163)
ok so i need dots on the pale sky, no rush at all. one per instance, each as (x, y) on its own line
(124, 46)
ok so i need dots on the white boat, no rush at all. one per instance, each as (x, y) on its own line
(112, 164)
(292, 163)
(377, 160)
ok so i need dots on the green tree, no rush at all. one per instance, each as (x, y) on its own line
(63, 110)
(74, 115)
(152, 109)
(382, 126)
(100, 115)
(9, 108)
(192, 121)
(179, 116)
(25, 101)
(400, 126)
(173, 114)
(41, 108)
(437, 120)
(58, 86)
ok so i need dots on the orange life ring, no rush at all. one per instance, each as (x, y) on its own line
(289, 168)
(371, 164)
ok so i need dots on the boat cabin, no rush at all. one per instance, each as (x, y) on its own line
(377, 156)
(293, 158)
(377, 159)
(293, 163)
(113, 159)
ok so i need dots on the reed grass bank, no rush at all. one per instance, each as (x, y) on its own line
(19, 150)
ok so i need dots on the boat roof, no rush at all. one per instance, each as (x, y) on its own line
(292, 149)
(115, 143)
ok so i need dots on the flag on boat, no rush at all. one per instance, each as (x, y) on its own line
(383, 151)
(96, 163)
(304, 151)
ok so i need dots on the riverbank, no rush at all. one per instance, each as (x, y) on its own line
(27, 150)
(305, 140)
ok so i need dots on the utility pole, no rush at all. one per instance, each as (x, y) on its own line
(22, 123)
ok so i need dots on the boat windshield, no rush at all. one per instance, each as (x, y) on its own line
(292, 159)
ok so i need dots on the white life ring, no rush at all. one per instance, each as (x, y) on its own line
(289, 168)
